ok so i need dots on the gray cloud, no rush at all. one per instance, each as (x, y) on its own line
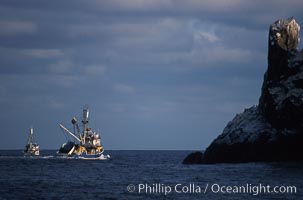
(13, 28)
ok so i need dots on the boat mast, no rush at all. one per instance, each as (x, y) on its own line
(30, 138)
(68, 131)
(85, 122)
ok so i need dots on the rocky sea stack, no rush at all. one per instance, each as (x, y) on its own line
(273, 130)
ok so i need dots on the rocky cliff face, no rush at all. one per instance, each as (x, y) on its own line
(273, 130)
(281, 101)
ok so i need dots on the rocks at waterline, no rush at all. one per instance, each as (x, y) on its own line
(195, 157)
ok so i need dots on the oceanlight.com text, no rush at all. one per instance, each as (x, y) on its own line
(193, 188)
(253, 189)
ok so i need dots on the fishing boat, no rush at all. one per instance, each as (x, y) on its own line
(31, 148)
(86, 144)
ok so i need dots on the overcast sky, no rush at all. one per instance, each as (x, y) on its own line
(157, 74)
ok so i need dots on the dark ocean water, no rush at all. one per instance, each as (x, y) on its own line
(47, 177)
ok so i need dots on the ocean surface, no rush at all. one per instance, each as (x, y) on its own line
(142, 175)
